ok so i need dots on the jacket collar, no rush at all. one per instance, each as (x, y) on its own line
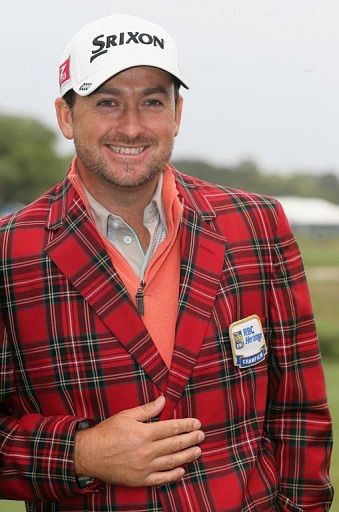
(64, 194)
(61, 201)
(187, 188)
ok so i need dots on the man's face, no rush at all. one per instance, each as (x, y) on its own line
(124, 132)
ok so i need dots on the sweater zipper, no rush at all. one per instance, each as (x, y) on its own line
(139, 298)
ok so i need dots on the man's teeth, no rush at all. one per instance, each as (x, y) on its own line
(126, 150)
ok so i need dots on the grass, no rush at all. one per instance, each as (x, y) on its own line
(331, 374)
(325, 298)
(319, 252)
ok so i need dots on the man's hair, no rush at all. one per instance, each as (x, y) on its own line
(69, 98)
(70, 95)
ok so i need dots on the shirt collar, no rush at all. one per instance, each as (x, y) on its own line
(154, 208)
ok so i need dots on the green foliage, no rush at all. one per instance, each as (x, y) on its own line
(29, 163)
(246, 175)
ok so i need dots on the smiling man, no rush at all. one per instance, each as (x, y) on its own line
(158, 345)
(124, 131)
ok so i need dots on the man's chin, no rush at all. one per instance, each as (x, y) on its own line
(130, 181)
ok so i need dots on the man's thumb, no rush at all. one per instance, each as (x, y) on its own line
(147, 411)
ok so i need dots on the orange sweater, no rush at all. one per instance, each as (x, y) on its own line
(162, 274)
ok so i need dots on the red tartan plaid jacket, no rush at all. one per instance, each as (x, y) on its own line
(73, 348)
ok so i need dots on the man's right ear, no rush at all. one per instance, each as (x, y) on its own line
(64, 117)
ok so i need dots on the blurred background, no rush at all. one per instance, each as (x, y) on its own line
(262, 114)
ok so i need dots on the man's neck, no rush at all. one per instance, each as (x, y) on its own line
(128, 203)
(125, 202)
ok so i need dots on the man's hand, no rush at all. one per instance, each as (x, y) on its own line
(123, 450)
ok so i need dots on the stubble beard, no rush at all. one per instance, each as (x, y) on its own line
(99, 168)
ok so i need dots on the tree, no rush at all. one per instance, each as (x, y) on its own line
(29, 162)
(246, 175)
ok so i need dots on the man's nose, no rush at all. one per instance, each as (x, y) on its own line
(130, 122)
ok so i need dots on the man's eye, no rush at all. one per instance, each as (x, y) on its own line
(154, 103)
(106, 103)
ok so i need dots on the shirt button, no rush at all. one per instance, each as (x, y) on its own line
(127, 240)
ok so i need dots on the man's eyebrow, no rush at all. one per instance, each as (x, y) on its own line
(155, 90)
(145, 92)
(108, 90)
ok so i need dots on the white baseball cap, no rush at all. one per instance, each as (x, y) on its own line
(107, 46)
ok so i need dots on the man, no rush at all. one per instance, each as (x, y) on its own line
(158, 346)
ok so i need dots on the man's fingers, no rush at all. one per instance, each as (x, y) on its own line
(164, 477)
(177, 443)
(176, 460)
(171, 428)
(169, 468)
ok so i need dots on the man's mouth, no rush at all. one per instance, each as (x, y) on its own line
(123, 150)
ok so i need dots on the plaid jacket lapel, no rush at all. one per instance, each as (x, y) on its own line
(202, 259)
(75, 247)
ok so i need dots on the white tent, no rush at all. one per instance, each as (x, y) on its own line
(310, 211)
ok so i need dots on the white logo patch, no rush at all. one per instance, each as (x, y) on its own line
(247, 341)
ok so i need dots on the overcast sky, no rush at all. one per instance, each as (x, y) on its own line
(263, 74)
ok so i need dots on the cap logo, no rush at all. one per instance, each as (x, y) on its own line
(64, 72)
(103, 43)
(85, 86)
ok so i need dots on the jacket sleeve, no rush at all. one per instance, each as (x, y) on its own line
(36, 452)
(299, 423)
